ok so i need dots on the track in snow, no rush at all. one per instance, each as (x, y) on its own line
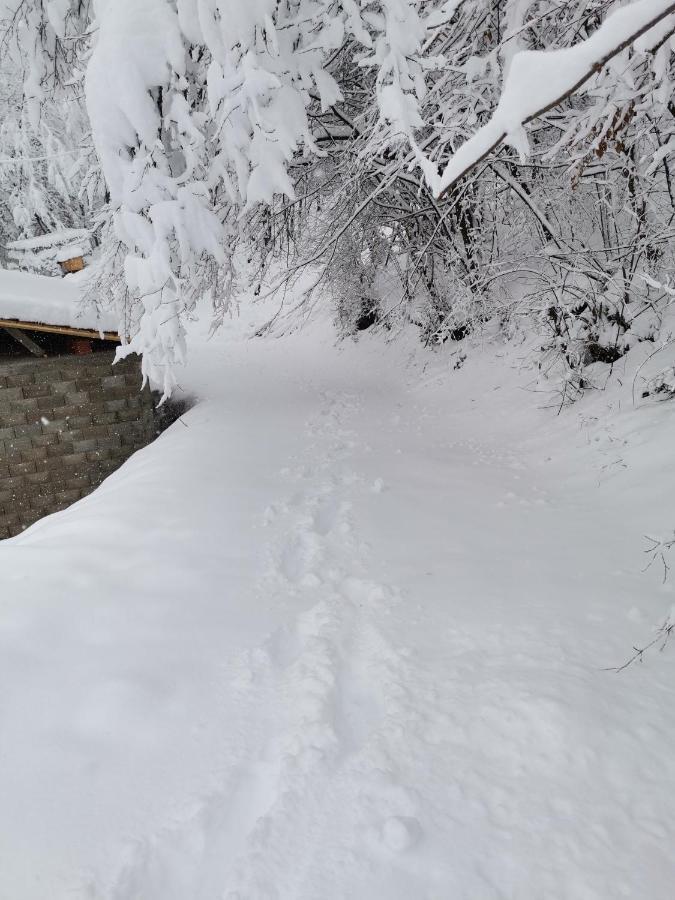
(357, 654)
(338, 700)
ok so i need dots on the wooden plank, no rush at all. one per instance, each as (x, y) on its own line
(75, 264)
(26, 342)
(60, 329)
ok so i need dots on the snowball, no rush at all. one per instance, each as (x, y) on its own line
(401, 833)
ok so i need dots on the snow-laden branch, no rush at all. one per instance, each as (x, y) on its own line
(539, 80)
(291, 129)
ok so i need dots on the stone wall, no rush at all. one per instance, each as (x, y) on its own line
(66, 422)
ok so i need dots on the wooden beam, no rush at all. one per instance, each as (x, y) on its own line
(60, 329)
(26, 342)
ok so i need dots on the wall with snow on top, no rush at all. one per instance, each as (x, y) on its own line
(66, 422)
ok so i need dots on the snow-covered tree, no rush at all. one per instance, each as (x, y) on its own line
(50, 178)
(384, 143)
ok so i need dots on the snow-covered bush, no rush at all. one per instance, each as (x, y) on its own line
(661, 386)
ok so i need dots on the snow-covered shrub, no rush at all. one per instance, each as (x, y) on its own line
(661, 386)
(357, 305)
(448, 311)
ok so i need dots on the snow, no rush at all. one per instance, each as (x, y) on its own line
(51, 301)
(71, 252)
(536, 79)
(51, 241)
(341, 631)
(136, 44)
(41, 255)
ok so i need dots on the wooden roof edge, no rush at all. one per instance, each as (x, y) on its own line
(60, 329)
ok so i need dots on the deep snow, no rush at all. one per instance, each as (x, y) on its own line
(341, 632)
(28, 297)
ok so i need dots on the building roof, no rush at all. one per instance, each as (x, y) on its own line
(52, 240)
(43, 303)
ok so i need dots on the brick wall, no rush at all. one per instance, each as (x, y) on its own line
(66, 422)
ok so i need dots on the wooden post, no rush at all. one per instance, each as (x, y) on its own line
(23, 339)
(76, 264)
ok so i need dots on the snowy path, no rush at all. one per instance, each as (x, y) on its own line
(343, 636)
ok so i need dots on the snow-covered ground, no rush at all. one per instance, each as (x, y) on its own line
(341, 632)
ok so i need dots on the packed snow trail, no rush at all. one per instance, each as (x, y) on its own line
(341, 633)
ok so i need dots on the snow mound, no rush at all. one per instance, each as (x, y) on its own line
(26, 297)
(341, 632)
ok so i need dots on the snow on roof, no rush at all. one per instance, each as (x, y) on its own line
(26, 297)
(53, 240)
(70, 251)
